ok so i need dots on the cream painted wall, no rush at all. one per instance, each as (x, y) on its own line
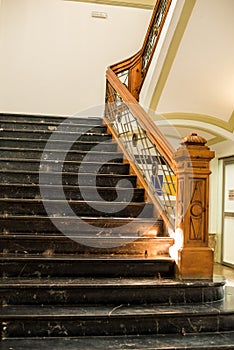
(55, 54)
(201, 79)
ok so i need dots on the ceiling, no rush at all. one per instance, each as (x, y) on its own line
(191, 84)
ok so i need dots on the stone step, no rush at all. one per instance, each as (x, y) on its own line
(112, 320)
(199, 341)
(51, 118)
(135, 227)
(52, 244)
(65, 166)
(71, 192)
(113, 291)
(54, 178)
(107, 146)
(56, 155)
(57, 135)
(84, 266)
(12, 206)
(51, 126)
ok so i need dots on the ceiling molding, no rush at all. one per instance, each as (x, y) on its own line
(172, 51)
(143, 4)
(216, 140)
(228, 126)
(231, 121)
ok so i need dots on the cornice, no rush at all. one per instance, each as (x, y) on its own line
(143, 4)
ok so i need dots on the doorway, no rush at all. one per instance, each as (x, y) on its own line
(228, 212)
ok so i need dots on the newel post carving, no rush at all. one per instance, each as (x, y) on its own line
(195, 258)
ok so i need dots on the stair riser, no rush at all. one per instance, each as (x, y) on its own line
(33, 224)
(44, 135)
(106, 209)
(115, 295)
(52, 119)
(52, 245)
(53, 127)
(60, 155)
(116, 168)
(115, 325)
(68, 179)
(91, 194)
(59, 145)
(74, 268)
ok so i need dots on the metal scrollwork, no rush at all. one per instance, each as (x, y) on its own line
(143, 151)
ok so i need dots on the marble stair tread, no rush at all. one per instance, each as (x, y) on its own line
(167, 283)
(216, 341)
(24, 206)
(73, 265)
(54, 118)
(86, 243)
(71, 192)
(45, 134)
(112, 320)
(132, 311)
(112, 290)
(66, 121)
(56, 154)
(69, 178)
(58, 144)
(94, 220)
(70, 226)
(88, 258)
(64, 165)
(51, 126)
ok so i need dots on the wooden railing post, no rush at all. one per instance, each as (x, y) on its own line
(195, 258)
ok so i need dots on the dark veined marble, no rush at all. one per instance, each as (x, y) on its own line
(217, 341)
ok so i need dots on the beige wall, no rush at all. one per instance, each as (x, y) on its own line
(54, 54)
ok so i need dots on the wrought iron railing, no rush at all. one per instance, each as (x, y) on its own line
(137, 134)
(155, 28)
(132, 71)
(154, 160)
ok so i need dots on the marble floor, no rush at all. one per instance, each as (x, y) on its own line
(225, 271)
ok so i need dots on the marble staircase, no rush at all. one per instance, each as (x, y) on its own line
(84, 257)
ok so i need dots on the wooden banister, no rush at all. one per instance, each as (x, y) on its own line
(165, 148)
(185, 172)
(138, 64)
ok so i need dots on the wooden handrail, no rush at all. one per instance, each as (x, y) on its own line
(189, 164)
(124, 81)
(165, 148)
(137, 75)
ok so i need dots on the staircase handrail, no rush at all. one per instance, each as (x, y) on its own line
(137, 65)
(124, 81)
(154, 133)
(177, 181)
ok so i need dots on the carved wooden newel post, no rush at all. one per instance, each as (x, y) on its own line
(195, 258)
